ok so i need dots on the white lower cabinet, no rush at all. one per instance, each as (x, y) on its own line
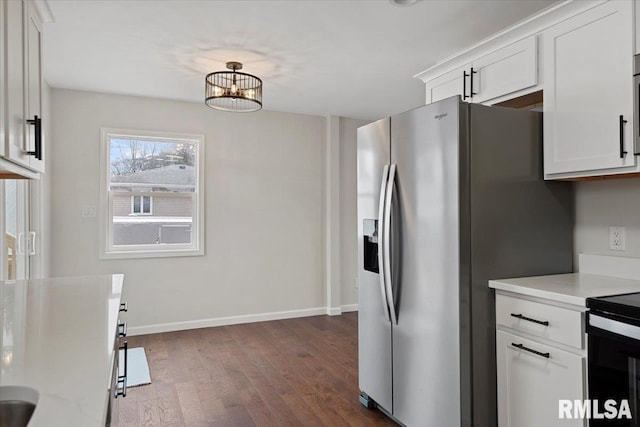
(532, 378)
(541, 360)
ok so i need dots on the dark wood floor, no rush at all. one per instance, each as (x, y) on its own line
(297, 372)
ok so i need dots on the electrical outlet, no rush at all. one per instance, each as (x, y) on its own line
(616, 238)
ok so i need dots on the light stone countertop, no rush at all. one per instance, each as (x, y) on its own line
(572, 288)
(58, 336)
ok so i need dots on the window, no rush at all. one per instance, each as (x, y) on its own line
(140, 205)
(152, 194)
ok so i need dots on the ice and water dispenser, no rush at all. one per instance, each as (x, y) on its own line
(370, 227)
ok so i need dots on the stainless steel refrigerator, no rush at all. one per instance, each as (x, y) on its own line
(450, 195)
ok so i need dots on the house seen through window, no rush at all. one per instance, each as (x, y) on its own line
(140, 205)
(153, 193)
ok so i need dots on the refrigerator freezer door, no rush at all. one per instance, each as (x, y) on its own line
(374, 330)
(426, 340)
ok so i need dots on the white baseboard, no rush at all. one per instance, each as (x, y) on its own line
(237, 320)
(333, 311)
(349, 307)
(336, 311)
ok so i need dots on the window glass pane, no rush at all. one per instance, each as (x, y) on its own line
(170, 223)
(136, 204)
(16, 223)
(151, 165)
(153, 194)
(11, 228)
(147, 204)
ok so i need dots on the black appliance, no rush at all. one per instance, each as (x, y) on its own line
(613, 328)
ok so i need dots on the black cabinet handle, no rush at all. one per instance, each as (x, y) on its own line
(471, 78)
(124, 306)
(529, 319)
(530, 350)
(122, 329)
(122, 379)
(622, 123)
(37, 123)
(464, 84)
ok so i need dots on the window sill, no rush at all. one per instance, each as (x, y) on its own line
(170, 253)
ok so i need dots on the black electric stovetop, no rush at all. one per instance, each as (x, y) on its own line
(626, 304)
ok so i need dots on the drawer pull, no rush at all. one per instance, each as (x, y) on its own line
(528, 319)
(122, 329)
(122, 379)
(522, 347)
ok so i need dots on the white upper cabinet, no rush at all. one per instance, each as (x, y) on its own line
(637, 26)
(449, 84)
(3, 92)
(588, 93)
(506, 70)
(22, 83)
(16, 124)
(34, 141)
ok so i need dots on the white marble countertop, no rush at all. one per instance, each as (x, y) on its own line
(58, 337)
(572, 288)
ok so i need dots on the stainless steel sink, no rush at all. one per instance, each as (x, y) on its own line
(17, 405)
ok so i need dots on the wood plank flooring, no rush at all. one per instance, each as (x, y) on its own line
(296, 372)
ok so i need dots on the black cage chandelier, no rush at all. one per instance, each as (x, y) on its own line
(233, 91)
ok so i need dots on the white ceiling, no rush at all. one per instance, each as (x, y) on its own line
(353, 58)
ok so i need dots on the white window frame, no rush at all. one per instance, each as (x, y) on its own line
(142, 212)
(110, 251)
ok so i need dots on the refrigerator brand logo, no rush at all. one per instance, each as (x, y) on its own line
(440, 116)
(590, 409)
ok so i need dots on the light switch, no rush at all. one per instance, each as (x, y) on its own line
(89, 211)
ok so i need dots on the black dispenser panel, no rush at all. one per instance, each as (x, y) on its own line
(370, 227)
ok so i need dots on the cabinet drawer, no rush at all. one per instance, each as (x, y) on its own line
(532, 378)
(564, 326)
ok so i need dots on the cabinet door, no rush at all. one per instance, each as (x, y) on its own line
(449, 84)
(530, 385)
(507, 70)
(33, 80)
(16, 124)
(3, 92)
(588, 86)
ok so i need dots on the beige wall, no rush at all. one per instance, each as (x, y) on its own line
(41, 196)
(348, 214)
(601, 204)
(263, 209)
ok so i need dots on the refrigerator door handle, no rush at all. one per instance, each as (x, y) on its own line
(381, 264)
(386, 247)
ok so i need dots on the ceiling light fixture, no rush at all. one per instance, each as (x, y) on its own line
(403, 3)
(233, 91)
